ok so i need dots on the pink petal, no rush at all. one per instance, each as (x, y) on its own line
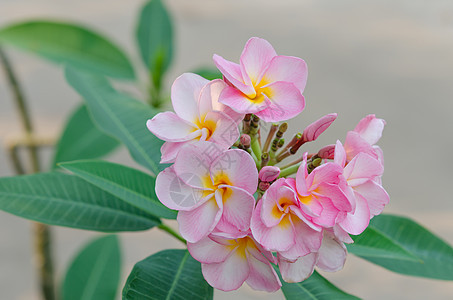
(198, 223)
(232, 73)
(357, 222)
(315, 129)
(299, 270)
(238, 206)
(209, 101)
(226, 130)
(228, 275)
(370, 129)
(342, 235)
(270, 211)
(340, 154)
(286, 102)
(329, 213)
(334, 193)
(326, 173)
(174, 193)
(256, 57)
(289, 69)
(208, 251)
(170, 150)
(375, 195)
(354, 144)
(332, 254)
(276, 238)
(262, 276)
(185, 92)
(169, 127)
(241, 103)
(301, 179)
(307, 240)
(236, 168)
(362, 168)
(194, 161)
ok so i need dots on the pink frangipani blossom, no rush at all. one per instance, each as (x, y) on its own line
(198, 116)
(264, 83)
(210, 188)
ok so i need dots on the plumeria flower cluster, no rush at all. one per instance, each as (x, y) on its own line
(240, 209)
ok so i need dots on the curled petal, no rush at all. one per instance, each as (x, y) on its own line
(355, 223)
(226, 131)
(262, 276)
(232, 72)
(238, 206)
(169, 151)
(242, 103)
(375, 195)
(184, 95)
(298, 270)
(209, 251)
(332, 254)
(362, 168)
(370, 129)
(355, 144)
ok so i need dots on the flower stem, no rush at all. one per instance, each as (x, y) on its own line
(42, 234)
(289, 170)
(171, 232)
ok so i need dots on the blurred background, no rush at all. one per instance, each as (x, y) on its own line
(391, 58)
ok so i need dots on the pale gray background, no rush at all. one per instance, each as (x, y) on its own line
(392, 58)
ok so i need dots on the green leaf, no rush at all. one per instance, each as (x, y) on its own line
(434, 256)
(373, 243)
(69, 44)
(81, 139)
(119, 116)
(155, 37)
(209, 74)
(169, 274)
(95, 273)
(130, 185)
(66, 200)
(315, 287)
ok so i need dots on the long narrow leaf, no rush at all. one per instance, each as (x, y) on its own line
(69, 44)
(65, 200)
(130, 185)
(119, 116)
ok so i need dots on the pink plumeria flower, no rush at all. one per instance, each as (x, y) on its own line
(264, 83)
(321, 193)
(198, 116)
(364, 137)
(278, 223)
(211, 188)
(229, 260)
(368, 196)
(330, 257)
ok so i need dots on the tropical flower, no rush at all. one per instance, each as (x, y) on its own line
(198, 116)
(264, 83)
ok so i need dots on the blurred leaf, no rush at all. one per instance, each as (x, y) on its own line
(65, 200)
(315, 287)
(119, 116)
(155, 38)
(81, 139)
(69, 44)
(169, 274)
(434, 256)
(130, 185)
(209, 74)
(95, 273)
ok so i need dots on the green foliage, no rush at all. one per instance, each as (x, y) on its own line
(119, 116)
(209, 74)
(155, 38)
(408, 240)
(69, 44)
(130, 185)
(169, 274)
(81, 139)
(315, 287)
(95, 273)
(65, 200)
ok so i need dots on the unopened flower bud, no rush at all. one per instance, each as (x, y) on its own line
(315, 129)
(263, 185)
(269, 173)
(246, 140)
(327, 152)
